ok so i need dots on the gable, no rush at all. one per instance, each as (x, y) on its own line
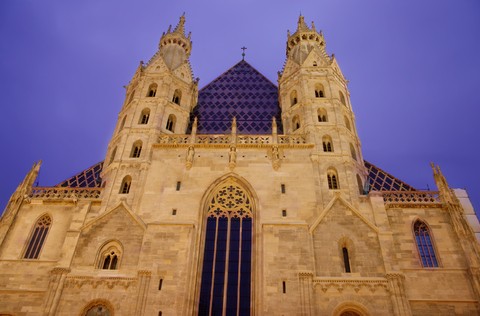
(118, 225)
(241, 92)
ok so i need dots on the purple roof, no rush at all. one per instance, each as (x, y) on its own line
(240, 92)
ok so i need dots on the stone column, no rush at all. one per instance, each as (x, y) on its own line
(306, 284)
(55, 289)
(144, 277)
(401, 306)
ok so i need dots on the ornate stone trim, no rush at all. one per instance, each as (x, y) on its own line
(411, 199)
(372, 284)
(61, 193)
(102, 282)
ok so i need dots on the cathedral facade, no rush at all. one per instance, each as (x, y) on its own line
(241, 198)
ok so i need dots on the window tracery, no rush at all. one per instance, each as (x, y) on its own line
(424, 243)
(226, 276)
(37, 239)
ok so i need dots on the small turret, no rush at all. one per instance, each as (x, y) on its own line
(303, 41)
(174, 46)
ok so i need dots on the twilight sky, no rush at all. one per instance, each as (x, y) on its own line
(413, 67)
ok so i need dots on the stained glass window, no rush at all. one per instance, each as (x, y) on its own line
(38, 237)
(424, 244)
(226, 275)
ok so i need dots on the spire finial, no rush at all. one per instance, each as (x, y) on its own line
(301, 25)
(243, 53)
(180, 28)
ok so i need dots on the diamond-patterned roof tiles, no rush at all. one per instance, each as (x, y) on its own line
(89, 178)
(240, 92)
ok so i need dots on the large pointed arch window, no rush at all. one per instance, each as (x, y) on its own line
(424, 243)
(37, 239)
(226, 274)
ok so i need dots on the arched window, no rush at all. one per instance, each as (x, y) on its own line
(319, 91)
(342, 98)
(112, 155)
(122, 124)
(37, 238)
(347, 123)
(152, 90)
(125, 186)
(293, 98)
(332, 179)
(327, 144)
(353, 152)
(171, 123)
(109, 256)
(360, 185)
(322, 115)
(136, 149)
(177, 96)
(98, 308)
(424, 244)
(144, 116)
(227, 261)
(346, 259)
(295, 123)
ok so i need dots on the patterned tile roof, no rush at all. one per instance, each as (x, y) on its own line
(240, 92)
(383, 181)
(89, 177)
(379, 180)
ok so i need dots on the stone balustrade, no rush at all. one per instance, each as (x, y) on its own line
(59, 193)
(411, 199)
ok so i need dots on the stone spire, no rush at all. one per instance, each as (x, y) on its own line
(174, 46)
(301, 25)
(304, 39)
(180, 28)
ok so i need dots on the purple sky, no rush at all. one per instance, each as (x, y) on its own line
(413, 68)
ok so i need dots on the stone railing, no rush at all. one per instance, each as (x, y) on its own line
(225, 139)
(371, 284)
(411, 199)
(59, 193)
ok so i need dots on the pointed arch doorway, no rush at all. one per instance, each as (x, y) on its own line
(227, 258)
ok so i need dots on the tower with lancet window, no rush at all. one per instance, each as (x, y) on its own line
(242, 197)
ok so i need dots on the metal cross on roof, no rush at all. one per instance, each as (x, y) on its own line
(243, 53)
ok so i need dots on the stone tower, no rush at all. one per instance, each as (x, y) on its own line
(315, 101)
(158, 100)
(241, 198)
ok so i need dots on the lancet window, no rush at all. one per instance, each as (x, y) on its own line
(37, 239)
(171, 123)
(347, 123)
(319, 91)
(353, 152)
(342, 98)
(322, 115)
(177, 96)
(125, 186)
(332, 179)
(136, 149)
(424, 243)
(295, 123)
(144, 116)
(226, 275)
(327, 144)
(152, 90)
(360, 185)
(112, 155)
(293, 97)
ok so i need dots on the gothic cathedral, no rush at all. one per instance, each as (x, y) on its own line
(241, 198)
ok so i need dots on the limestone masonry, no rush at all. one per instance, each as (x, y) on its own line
(241, 198)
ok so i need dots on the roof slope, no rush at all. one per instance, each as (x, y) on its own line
(241, 92)
(379, 180)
